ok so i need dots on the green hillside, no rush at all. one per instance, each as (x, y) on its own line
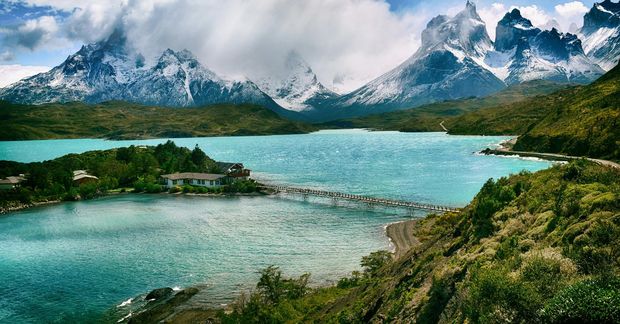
(119, 120)
(580, 121)
(583, 123)
(428, 117)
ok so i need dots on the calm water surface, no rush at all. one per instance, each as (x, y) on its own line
(73, 261)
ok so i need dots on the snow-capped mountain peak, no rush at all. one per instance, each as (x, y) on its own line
(524, 52)
(444, 67)
(107, 70)
(298, 87)
(465, 32)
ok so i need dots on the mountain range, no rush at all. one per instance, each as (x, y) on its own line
(456, 59)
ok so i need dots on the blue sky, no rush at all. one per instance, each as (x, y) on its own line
(400, 5)
(346, 40)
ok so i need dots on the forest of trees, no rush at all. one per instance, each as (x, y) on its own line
(135, 168)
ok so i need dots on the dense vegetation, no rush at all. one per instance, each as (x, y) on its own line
(428, 117)
(120, 120)
(529, 248)
(126, 168)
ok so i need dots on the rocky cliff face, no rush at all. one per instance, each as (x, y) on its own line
(601, 34)
(528, 53)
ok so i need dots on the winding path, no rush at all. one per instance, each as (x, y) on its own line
(552, 156)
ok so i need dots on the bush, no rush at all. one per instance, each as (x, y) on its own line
(492, 297)
(350, 282)
(373, 262)
(589, 301)
(89, 190)
(492, 197)
(242, 186)
(274, 288)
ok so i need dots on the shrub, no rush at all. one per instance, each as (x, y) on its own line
(274, 288)
(349, 282)
(88, 190)
(588, 301)
(492, 296)
(373, 262)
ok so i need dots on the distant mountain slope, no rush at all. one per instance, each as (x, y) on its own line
(298, 89)
(601, 33)
(428, 117)
(121, 120)
(109, 71)
(586, 122)
(582, 121)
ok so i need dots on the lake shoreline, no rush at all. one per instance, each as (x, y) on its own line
(6, 210)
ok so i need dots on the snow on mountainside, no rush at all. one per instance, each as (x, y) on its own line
(524, 53)
(601, 34)
(298, 89)
(108, 71)
(445, 67)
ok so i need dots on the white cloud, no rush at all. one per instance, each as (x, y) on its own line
(347, 42)
(491, 15)
(571, 13)
(31, 34)
(564, 15)
(534, 13)
(13, 73)
(357, 39)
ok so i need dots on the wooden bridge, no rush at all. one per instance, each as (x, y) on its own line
(358, 198)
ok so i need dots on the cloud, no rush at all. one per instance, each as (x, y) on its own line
(534, 13)
(571, 13)
(6, 56)
(491, 15)
(31, 34)
(564, 15)
(93, 20)
(13, 73)
(347, 42)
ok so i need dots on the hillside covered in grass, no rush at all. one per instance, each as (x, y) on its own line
(428, 117)
(580, 121)
(584, 123)
(120, 120)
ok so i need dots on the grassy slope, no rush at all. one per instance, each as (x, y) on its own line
(584, 123)
(428, 117)
(579, 121)
(541, 247)
(118, 120)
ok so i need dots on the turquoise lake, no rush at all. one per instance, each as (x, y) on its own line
(73, 262)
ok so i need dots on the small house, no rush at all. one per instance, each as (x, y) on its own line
(12, 182)
(81, 177)
(233, 170)
(194, 179)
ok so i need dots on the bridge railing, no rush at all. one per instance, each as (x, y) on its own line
(360, 198)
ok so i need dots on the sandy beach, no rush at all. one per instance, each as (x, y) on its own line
(401, 235)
